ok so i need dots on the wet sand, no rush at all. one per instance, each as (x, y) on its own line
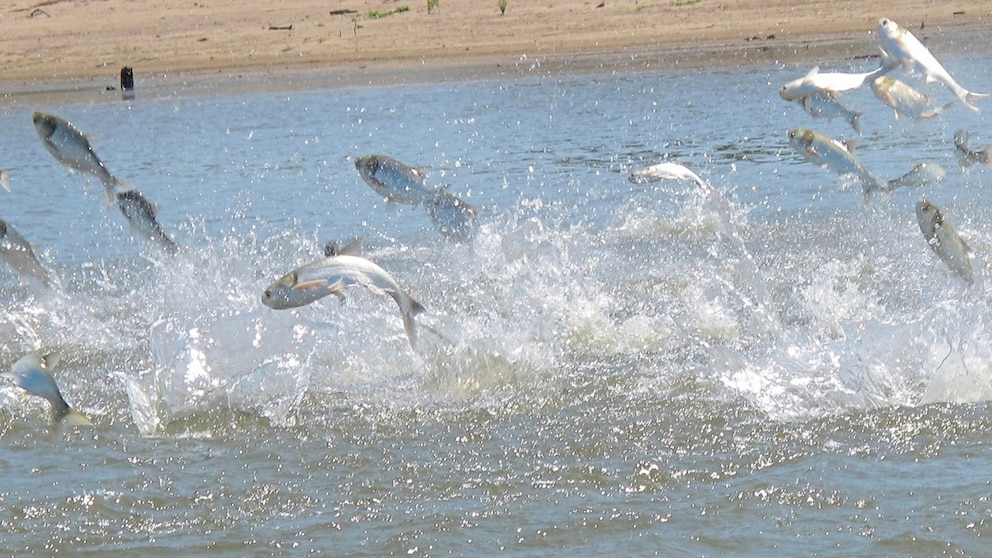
(60, 45)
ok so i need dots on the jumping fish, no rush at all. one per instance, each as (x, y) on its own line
(904, 47)
(834, 155)
(31, 373)
(829, 83)
(454, 218)
(71, 148)
(966, 156)
(141, 215)
(922, 174)
(942, 239)
(820, 105)
(333, 275)
(16, 251)
(668, 171)
(904, 100)
(394, 181)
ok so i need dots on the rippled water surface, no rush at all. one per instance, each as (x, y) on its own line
(605, 367)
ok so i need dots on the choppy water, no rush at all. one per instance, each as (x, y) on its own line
(625, 368)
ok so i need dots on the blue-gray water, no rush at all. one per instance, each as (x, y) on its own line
(625, 368)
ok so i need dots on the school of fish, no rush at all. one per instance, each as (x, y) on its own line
(899, 49)
(342, 268)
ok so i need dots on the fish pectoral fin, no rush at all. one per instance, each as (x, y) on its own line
(312, 285)
(51, 360)
(813, 72)
(337, 289)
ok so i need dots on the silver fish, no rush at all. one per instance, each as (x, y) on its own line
(71, 148)
(904, 100)
(453, 217)
(903, 46)
(829, 83)
(668, 171)
(331, 276)
(31, 373)
(942, 239)
(394, 181)
(923, 174)
(966, 156)
(832, 154)
(16, 251)
(826, 106)
(141, 215)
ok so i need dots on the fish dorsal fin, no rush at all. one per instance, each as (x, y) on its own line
(49, 361)
(849, 145)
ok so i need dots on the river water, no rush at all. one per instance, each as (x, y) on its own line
(604, 367)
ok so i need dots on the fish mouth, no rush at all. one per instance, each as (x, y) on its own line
(44, 123)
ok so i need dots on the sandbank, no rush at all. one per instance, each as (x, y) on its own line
(65, 46)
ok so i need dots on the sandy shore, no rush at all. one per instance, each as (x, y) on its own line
(79, 44)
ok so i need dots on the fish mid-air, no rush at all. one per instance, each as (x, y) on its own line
(967, 157)
(141, 215)
(829, 83)
(453, 217)
(903, 46)
(922, 174)
(942, 239)
(832, 154)
(904, 100)
(394, 181)
(668, 171)
(331, 276)
(71, 148)
(826, 106)
(31, 373)
(16, 251)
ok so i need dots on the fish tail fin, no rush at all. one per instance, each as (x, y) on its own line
(74, 418)
(113, 187)
(410, 310)
(4, 173)
(116, 185)
(969, 97)
(871, 186)
(936, 111)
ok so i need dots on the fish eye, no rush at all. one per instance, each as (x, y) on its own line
(267, 293)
